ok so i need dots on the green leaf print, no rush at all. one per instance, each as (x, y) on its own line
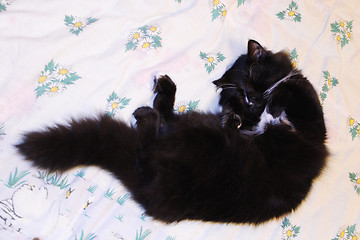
(355, 179)
(342, 31)
(145, 38)
(71, 79)
(131, 46)
(2, 8)
(54, 179)
(2, 129)
(50, 66)
(120, 217)
(220, 57)
(335, 27)
(281, 15)
(91, 20)
(15, 179)
(77, 24)
(122, 199)
(211, 61)
(241, 2)
(3, 4)
(329, 83)
(347, 233)
(115, 103)
(289, 231)
(354, 131)
(90, 236)
(54, 79)
(193, 105)
(142, 235)
(218, 10)
(110, 193)
(92, 189)
(291, 13)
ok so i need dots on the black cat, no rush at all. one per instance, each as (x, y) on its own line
(254, 161)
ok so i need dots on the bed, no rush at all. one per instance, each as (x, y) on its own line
(61, 59)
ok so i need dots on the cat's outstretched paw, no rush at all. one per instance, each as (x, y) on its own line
(164, 84)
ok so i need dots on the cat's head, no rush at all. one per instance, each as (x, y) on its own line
(257, 70)
(249, 77)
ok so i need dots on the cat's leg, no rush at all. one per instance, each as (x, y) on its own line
(165, 90)
(147, 125)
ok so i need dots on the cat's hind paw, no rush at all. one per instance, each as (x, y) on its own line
(164, 84)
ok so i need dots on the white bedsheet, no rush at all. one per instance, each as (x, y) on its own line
(61, 59)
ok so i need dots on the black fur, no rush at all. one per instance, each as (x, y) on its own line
(203, 166)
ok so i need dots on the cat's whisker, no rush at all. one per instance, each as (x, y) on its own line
(227, 86)
(284, 79)
(230, 87)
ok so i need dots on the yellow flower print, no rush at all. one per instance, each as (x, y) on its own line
(355, 179)
(77, 24)
(62, 72)
(115, 103)
(56, 88)
(181, 107)
(135, 35)
(291, 13)
(211, 60)
(44, 77)
(215, 2)
(351, 121)
(146, 44)
(354, 127)
(153, 31)
(347, 233)
(145, 38)
(342, 234)
(329, 83)
(355, 237)
(293, 56)
(54, 79)
(341, 31)
(289, 231)
(218, 9)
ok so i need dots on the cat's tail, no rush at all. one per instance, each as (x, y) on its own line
(101, 141)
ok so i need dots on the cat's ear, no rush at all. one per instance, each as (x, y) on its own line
(256, 52)
(218, 82)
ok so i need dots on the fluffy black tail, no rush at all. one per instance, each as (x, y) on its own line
(102, 141)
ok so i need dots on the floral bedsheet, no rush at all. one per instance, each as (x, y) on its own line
(61, 59)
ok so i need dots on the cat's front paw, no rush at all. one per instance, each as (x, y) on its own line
(164, 84)
(233, 121)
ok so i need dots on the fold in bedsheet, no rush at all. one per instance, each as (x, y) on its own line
(63, 59)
